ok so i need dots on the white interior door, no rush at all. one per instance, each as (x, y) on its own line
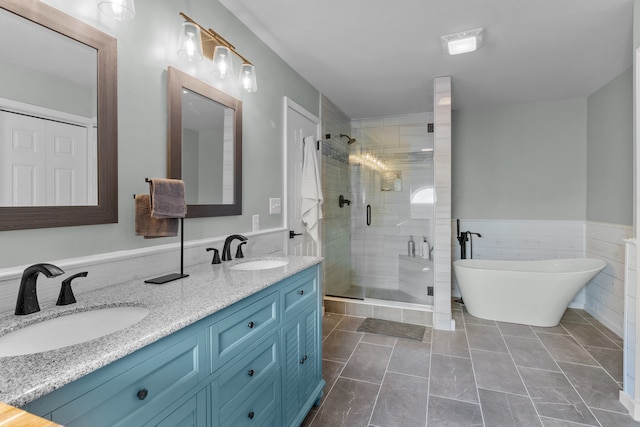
(44, 162)
(299, 124)
(22, 155)
(66, 164)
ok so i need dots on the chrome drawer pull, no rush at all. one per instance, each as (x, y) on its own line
(142, 394)
(300, 292)
(251, 415)
(251, 325)
(251, 372)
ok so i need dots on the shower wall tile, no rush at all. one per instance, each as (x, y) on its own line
(359, 309)
(408, 119)
(442, 179)
(387, 313)
(336, 227)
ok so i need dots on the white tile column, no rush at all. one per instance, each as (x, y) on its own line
(442, 227)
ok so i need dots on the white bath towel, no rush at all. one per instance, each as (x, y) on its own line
(311, 189)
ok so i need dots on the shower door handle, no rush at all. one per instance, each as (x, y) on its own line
(368, 215)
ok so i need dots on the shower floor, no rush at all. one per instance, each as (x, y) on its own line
(360, 292)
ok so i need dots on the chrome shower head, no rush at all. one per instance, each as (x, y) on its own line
(350, 140)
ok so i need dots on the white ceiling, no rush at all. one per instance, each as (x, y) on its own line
(376, 58)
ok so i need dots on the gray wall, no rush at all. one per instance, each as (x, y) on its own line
(610, 152)
(555, 160)
(525, 161)
(146, 47)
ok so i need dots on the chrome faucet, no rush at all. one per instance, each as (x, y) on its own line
(226, 250)
(27, 297)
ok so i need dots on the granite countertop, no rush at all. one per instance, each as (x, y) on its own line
(173, 306)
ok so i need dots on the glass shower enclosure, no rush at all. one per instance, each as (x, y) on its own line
(392, 211)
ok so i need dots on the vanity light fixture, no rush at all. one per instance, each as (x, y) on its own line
(464, 42)
(121, 10)
(215, 48)
(222, 62)
(190, 43)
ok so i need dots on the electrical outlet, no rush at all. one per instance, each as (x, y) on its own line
(256, 223)
(275, 205)
(429, 291)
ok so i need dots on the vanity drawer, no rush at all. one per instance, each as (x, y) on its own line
(300, 293)
(257, 409)
(234, 334)
(244, 375)
(141, 392)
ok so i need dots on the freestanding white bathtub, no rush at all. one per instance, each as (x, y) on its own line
(533, 293)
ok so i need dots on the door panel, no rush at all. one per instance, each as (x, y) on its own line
(300, 123)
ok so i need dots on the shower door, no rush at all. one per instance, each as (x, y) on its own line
(393, 191)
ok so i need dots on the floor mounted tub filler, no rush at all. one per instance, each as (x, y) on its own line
(535, 293)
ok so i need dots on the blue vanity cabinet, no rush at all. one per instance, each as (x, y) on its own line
(254, 363)
(131, 389)
(191, 413)
(302, 361)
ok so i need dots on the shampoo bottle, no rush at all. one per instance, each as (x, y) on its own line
(425, 251)
(411, 249)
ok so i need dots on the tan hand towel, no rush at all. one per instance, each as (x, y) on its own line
(167, 198)
(150, 227)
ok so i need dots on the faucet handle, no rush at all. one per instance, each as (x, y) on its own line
(66, 296)
(239, 253)
(216, 256)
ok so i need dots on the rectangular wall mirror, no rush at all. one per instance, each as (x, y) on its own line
(205, 145)
(58, 119)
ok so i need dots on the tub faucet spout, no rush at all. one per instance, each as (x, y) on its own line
(226, 250)
(27, 296)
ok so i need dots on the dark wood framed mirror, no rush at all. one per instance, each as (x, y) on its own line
(45, 23)
(205, 145)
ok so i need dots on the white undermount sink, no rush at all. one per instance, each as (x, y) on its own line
(68, 330)
(261, 264)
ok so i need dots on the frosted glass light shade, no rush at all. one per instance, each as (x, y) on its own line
(121, 10)
(222, 62)
(190, 44)
(247, 78)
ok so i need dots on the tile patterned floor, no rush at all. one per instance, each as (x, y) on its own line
(485, 373)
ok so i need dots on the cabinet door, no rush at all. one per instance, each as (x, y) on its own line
(291, 398)
(310, 366)
(192, 413)
(301, 373)
(138, 394)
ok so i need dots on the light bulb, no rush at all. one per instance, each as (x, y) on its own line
(190, 44)
(122, 10)
(247, 78)
(222, 62)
